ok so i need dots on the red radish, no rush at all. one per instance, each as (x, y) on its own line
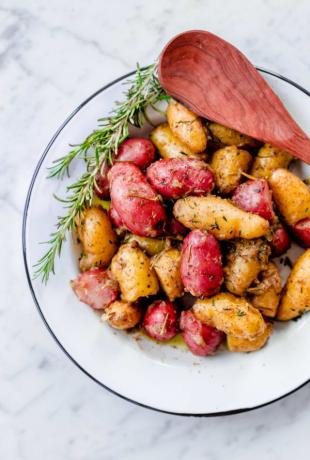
(280, 242)
(201, 264)
(101, 186)
(135, 201)
(137, 150)
(176, 228)
(176, 177)
(160, 320)
(201, 339)
(96, 288)
(301, 231)
(255, 196)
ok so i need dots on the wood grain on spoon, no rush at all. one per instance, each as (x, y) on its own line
(217, 82)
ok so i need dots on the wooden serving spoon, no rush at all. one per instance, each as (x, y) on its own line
(217, 82)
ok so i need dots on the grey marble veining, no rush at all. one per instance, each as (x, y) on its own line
(52, 56)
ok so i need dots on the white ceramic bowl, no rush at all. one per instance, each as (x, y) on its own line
(156, 376)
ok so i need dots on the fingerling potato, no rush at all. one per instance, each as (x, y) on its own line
(291, 195)
(268, 159)
(265, 295)
(236, 344)
(97, 237)
(232, 315)
(167, 266)
(301, 231)
(229, 136)
(187, 127)
(255, 196)
(169, 146)
(219, 217)
(228, 164)
(151, 246)
(245, 259)
(131, 267)
(122, 315)
(296, 297)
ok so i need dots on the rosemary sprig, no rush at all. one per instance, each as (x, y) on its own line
(144, 91)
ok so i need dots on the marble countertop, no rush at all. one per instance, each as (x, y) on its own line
(52, 56)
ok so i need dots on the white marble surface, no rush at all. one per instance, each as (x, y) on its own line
(52, 56)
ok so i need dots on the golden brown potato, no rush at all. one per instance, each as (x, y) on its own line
(169, 146)
(167, 267)
(228, 136)
(296, 295)
(187, 127)
(245, 259)
(131, 267)
(97, 237)
(122, 315)
(152, 246)
(232, 315)
(268, 159)
(245, 345)
(291, 195)
(228, 163)
(265, 294)
(219, 217)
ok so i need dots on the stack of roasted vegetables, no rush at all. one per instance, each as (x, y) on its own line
(192, 220)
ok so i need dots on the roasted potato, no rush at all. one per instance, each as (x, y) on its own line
(232, 315)
(245, 259)
(291, 195)
(265, 293)
(228, 163)
(201, 339)
(160, 320)
(175, 177)
(268, 159)
(136, 150)
(219, 217)
(301, 231)
(167, 266)
(136, 203)
(228, 136)
(245, 345)
(122, 315)
(96, 288)
(255, 196)
(279, 240)
(201, 264)
(131, 267)
(169, 146)
(296, 296)
(187, 127)
(97, 237)
(151, 246)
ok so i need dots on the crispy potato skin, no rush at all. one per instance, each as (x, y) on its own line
(232, 315)
(122, 315)
(187, 127)
(265, 295)
(268, 159)
(167, 266)
(132, 269)
(151, 246)
(245, 345)
(245, 259)
(98, 238)
(228, 136)
(168, 145)
(219, 217)
(228, 163)
(291, 195)
(301, 232)
(296, 296)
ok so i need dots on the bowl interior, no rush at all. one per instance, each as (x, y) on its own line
(163, 377)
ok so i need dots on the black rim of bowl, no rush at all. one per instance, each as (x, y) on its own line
(24, 225)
